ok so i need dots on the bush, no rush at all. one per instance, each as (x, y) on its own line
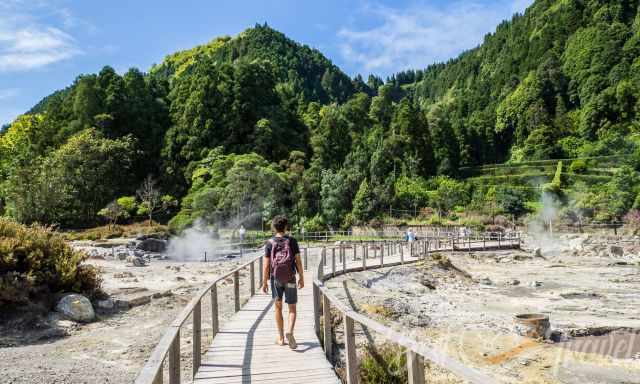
(36, 263)
(384, 365)
(315, 224)
(578, 166)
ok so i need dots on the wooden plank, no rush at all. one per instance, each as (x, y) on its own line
(174, 360)
(415, 366)
(350, 344)
(236, 290)
(326, 313)
(197, 338)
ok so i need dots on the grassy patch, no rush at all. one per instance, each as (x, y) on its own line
(386, 364)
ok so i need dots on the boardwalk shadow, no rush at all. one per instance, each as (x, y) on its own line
(248, 347)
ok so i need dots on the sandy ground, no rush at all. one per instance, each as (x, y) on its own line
(114, 348)
(471, 317)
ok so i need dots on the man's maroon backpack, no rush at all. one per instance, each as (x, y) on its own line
(281, 260)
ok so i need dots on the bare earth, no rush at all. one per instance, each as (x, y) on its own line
(581, 287)
(114, 348)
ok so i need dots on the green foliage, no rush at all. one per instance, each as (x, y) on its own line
(71, 184)
(36, 263)
(231, 187)
(447, 194)
(364, 208)
(315, 224)
(578, 166)
(384, 365)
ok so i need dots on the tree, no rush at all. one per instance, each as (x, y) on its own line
(364, 208)
(448, 194)
(112, 212)
(151, 201)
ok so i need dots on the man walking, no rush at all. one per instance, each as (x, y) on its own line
(281, 263)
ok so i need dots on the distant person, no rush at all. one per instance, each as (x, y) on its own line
(411, 236)
(281, 263)
(241, 232)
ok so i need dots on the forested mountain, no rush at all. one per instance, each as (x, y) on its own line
(254, 124)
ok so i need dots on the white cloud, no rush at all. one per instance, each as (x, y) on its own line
(27, 43)
(422, 34)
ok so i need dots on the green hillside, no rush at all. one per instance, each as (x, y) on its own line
(246, 126)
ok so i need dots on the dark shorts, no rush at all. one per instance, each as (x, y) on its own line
(289, 290)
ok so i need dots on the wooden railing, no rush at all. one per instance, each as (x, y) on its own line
(169, 346)
(324, 300)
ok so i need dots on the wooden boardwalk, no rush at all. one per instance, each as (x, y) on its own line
(244, 351)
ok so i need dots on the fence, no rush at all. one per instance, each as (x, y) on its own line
(416, 352)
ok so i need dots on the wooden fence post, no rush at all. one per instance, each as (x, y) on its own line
(174, 360)
(316, 309)
(402, 253)
(306, 260)
(260, 277)
(343, 250)
(364, 258)
(350, 345)
(214, 310)
(326, 314)
(236, 290)
(382, 255)
(252, 276)
(415, 366)
(333, 261)
(197, 337)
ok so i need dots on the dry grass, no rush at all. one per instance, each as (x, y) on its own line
(110, 232)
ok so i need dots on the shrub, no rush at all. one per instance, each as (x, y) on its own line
(315, 224)
(578, 166)
(36, 263)
(384, 365)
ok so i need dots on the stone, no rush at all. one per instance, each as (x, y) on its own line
(537, 252)
(106, 304)
(152, 245)
(122, 255)
(76, 307)
(616, 250)
(536, 284)
(486, 281)
(514, 282)
(138, 262)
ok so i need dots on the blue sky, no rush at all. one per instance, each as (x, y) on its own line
(45, 44)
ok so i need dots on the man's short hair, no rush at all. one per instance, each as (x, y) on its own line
(280, 223)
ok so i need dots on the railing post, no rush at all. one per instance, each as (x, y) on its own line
(236, 290)
(324, 256)
(333, 261)
(350, 344)
(316, 309)
(382, 254)
(415, 366)
(252, 276)
(260, 277)
(197, 334)
(174, 360)
(402, 253)
(343, 251)
(306, 260)
(326, 314)
(364, 258)
(214, 310)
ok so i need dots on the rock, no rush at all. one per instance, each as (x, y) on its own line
(122, 255)
(152, 245)
(536, 284)
(616, 250)
(514, 282)
(138, 262)
(180, 278)
(537, 252)
(106, 305)
(76, 307)
(122, 275)
(486, 281)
